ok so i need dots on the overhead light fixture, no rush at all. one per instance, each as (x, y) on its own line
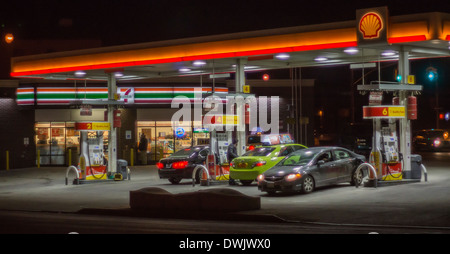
(184, 69)
(388, 53)
(118, 74)
(199, 63)
(80, 73)
(282, 56)
(320, 59)
(351, 51)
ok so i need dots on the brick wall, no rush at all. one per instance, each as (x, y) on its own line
(17, 123)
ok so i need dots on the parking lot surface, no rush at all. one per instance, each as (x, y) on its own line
(422, 204)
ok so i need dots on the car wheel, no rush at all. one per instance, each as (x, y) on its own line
(308, 184)
(246, 182)
(357, 178)
(198, 177)
(174, 180)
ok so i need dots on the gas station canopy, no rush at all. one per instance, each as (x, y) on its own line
(421, 35)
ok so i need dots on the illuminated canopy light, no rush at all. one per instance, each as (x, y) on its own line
(351, 51)
(199, 63)
(80, 73)
(320, 59)
(184, 69)
(282, 56)
(388, 53)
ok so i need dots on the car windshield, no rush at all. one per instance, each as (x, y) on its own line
(436, 133)
(186, 152)
(299, 158)
(260, 151)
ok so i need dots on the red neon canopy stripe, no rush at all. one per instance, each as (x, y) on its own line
(188, 58)
(392, 40)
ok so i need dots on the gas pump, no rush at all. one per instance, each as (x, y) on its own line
(217, 159)
(92, 159)
(93, 164)
(385, 156)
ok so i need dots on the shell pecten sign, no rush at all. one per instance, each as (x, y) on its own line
(370, 25)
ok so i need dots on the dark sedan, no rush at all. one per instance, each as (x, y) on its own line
(306, 169)
(181, 164)
(432, 139)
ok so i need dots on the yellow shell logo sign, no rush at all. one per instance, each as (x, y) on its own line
(370, 25)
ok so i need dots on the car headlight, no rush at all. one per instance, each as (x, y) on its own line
(437, 142)
(260, 178)
(292, 177)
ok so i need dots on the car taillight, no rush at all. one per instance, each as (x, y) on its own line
(180, 164)
(250, 148)
(259, 163)
(160, 165)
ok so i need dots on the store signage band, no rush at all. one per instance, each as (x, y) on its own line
(129, 95)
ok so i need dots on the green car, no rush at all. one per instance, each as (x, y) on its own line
(255, 162)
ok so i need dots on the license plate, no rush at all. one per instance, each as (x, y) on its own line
(168, 165)
(270, 184)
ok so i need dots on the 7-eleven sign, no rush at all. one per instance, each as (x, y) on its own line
(126, 94)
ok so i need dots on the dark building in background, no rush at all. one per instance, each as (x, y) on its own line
(17, 144)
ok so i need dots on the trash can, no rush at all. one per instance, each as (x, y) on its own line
(416, 169)
(122, 168)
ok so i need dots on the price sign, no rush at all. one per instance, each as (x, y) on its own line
(371, 112)
(92, 126)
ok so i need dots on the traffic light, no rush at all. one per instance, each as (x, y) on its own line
(432, 74)
(398, 77)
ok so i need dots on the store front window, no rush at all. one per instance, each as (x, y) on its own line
(58, 143)
(53, 140)
(158, 139)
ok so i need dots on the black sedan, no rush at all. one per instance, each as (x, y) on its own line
(431, 139)
(181, 164)
(306, 169)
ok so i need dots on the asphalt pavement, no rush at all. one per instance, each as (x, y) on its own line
(414, 205)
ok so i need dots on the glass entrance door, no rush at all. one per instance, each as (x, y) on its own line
(56, 143)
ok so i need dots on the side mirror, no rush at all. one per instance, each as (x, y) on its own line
(320, 163)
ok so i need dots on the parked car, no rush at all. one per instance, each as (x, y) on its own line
(306, 169)
(248, 166)
(431, 139)
(181, 164)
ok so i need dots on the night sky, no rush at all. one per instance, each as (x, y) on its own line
(132, 21)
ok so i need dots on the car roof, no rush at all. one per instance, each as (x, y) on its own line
(199, 147)
(323, 148)
(280, 145)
